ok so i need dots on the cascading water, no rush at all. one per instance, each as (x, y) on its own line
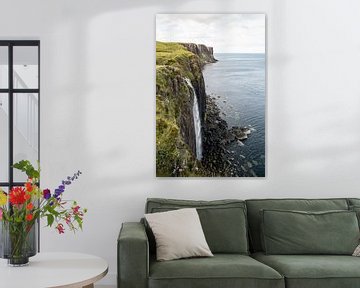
(197, 122)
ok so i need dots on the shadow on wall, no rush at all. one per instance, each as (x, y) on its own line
(73, 88)
(99, 7)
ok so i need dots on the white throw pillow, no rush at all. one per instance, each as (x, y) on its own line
(178, 234)
(357, 251)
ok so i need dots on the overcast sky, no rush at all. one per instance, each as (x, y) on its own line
(226, 33)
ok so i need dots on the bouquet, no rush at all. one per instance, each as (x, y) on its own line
(23, 206)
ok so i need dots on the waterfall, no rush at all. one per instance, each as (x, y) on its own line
(197, 122)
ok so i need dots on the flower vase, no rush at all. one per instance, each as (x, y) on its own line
(18, 242)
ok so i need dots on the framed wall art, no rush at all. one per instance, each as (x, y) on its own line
(210, 95)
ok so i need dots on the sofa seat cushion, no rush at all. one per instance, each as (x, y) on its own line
(222, 270)
(313, 271)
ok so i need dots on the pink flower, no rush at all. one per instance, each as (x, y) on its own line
(60, 228)
(68, 219)
(76, 210)
(1, 212)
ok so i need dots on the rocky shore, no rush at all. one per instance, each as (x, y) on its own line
(219, 158)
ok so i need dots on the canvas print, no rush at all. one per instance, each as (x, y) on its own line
(210, 95)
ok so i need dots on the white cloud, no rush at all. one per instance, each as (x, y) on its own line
(227, 33)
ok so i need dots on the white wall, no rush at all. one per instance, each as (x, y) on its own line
(98, 105)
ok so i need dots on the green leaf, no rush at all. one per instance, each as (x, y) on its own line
(50, 219)
(79, 221)
(22, 164)
(28, 168)
(53, 211)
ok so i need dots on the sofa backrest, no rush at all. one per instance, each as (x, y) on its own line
(353, 202)
(223, 221)
(256, 205)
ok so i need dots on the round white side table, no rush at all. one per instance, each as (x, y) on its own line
(50, 270)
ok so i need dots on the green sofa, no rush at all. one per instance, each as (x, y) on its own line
(234, 232)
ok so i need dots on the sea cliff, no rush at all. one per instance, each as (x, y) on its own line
(206, 54)
(187, 118)
(175, 131)
(179, 79)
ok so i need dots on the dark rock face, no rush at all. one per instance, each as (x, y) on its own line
(205, 53)
(178, 92)
(206, 56)
(215, 135)
(187, 128)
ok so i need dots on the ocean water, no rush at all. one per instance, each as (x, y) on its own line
(237, 81)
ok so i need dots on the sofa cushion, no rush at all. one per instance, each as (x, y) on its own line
(223, 221)
(254, 207)
(353, 201)
(297, 232)
(222, 270)
(356, 209)
(313, 271)
(354, 205)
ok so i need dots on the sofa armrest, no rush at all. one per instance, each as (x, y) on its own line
(133, 256)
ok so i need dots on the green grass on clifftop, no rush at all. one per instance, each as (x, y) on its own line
(171, 53)
(173, 63)
(176, 55)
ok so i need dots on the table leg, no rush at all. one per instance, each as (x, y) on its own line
(89, 286)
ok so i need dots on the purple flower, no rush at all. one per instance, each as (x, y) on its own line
(64, 183)
(46, 194)
(58, 192)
